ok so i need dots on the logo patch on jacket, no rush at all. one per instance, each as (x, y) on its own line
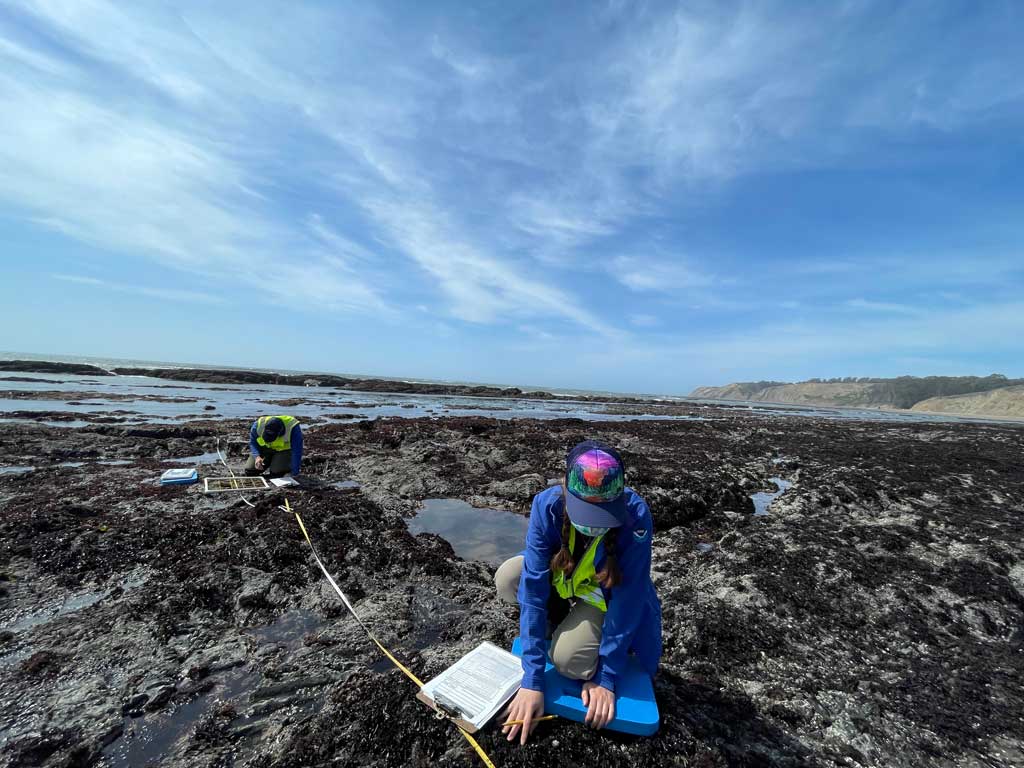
(641, 534)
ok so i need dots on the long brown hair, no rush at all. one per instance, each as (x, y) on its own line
(609, 576)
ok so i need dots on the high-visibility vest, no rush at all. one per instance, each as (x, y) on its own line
(282, 443)
(582, 583)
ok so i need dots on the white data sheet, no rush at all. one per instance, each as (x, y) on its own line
(478, 684)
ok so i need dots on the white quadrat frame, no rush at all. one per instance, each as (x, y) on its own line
(222, 484)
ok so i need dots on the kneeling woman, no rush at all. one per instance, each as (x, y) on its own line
(586, 574)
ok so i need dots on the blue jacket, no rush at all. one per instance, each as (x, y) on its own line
(296, 443)
(633, 620)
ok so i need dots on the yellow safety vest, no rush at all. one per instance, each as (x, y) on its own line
(282, 443)
(583, 583)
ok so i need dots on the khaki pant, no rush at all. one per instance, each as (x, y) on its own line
(576, 640)
(278, 462)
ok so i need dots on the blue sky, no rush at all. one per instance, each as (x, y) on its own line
(637, 197)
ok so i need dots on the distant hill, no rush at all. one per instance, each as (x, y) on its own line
(940, 392)
(1006, 402)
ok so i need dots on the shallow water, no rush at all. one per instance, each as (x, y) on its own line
(74, 603)
(148, 739)
(763, 499)
(489, 535)
(15, 470)
(246, 400)
(290, 629)
(70, 605)
(200, 458)
(334, 405)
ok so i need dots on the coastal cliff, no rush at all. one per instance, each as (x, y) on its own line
(994, 395)
(1006, 402)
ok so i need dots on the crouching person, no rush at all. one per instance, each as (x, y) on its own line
(585, 582)
(275, 444)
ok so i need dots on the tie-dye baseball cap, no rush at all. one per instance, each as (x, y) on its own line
(595, 479)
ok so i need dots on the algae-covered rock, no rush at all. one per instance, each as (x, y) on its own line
(872, 617)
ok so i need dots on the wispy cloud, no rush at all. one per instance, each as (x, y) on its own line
(191, 297)
(829, 266)
(466, 65)
(558, 224)
(824, 345)
(480, 287)
(14, 54)
(641, 274)
(502, 177)
(698, 96)
(644, 321)
(133, 179)
(885, 307)
(344, 251)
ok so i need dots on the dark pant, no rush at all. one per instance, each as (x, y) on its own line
(278, 462)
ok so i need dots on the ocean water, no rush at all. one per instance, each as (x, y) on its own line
(110, 362)
(247, 400)
(126, 397)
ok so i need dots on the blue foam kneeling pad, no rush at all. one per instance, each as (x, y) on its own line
(636, 711)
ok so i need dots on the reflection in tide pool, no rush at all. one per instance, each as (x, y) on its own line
(763, 500)
(475, 534)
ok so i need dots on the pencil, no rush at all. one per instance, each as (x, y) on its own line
(535, 720)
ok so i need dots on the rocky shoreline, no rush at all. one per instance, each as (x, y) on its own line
(875, 616)
(386, 386)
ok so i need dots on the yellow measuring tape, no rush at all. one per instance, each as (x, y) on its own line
(473, 742)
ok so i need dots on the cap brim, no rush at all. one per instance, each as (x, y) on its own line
(610, 514)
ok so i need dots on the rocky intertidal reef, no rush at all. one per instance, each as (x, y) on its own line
(72, 397)
(873, 616)
(352, 384)
(44, 366)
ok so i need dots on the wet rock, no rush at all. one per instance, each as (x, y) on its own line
(41, 663)
(244, 730)
(255, 589)
(279, 697)
(133, 707)
(195, 688)
(41, 366)
(159, 693)
(219, 658)
(522, 488)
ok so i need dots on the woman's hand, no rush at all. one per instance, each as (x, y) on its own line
(600, 704)
(259, 462)
(525, 706)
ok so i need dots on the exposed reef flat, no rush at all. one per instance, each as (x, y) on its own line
(873, 617)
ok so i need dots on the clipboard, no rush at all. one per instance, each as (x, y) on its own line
(475, 688)
(445, 711)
